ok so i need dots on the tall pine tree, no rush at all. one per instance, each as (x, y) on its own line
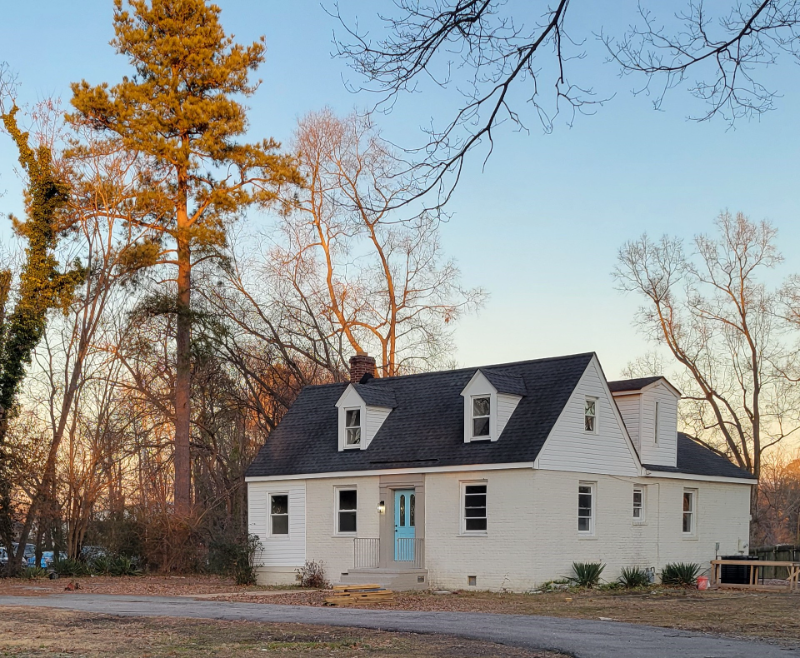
(178, 109)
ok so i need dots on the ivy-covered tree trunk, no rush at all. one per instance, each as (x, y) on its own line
(42, 286)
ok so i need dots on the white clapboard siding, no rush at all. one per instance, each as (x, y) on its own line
(663, 452)
(505, 407)
(375, 418)
(570, 448)
(278, 551)
(629, 408)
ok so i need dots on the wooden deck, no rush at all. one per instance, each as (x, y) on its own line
(792, 582)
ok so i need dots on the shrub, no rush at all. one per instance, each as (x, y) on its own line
(312, 574)
(682, 574)
(70, 567)
(101, 565)
(632, 577)
(235, 558)
(30, 573)
(586, 574)
(121, 565)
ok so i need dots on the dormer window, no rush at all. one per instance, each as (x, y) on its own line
(353, 428)
(481, 413)
(489, 401)
(590, 416)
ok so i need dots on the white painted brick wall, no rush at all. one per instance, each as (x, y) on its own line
(336, 552)
(723, 516)
(501, 559)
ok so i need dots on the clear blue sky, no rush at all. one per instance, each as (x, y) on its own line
(540, 225)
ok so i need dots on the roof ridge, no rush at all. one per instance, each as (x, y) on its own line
(491, 365)
(377, 380)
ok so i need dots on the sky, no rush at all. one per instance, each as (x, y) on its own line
(538, 225)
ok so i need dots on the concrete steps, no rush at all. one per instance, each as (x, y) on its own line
(398, 580)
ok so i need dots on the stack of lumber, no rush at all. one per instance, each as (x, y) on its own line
(355, 594)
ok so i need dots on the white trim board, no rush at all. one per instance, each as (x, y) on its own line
(699, 478)
(462, 468)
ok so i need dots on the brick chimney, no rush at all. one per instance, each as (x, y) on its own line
(360, 365)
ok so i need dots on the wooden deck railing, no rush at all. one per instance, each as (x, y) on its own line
(792, 582)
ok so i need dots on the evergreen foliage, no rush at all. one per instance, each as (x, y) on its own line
(177, 110)
(42, 284)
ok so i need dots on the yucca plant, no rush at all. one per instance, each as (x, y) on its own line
(681, 574)
(31, 573)
(632, 577)
(586, 574)
(70, 567)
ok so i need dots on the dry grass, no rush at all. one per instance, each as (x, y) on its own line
(762, 614)
(155, 585)
(38, 632)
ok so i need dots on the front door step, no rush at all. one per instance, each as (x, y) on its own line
(395, 579)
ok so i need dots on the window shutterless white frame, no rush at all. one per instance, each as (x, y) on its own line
(689, 516)
(638, 505)
(474, 508)
(481, 411)
(586, 508)
(278, 514)
(347, 508)
(352, 428)
(590, 415)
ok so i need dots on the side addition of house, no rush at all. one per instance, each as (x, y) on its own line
(497, 477)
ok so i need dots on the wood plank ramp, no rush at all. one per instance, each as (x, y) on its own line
(344, 595)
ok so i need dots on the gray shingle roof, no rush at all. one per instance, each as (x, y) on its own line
(376, 396)
(505, 383)
(696, 459)
(426, 428)
(631, 384)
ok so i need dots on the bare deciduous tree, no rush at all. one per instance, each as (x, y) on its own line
(712, 311)
(351, 273)
(502, 58)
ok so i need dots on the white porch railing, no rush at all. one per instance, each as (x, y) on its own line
(366, 552)
(410, 550)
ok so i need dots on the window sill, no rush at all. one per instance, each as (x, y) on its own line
(688, 537)
(587, 537)
(358, 447)
(278, 537)
(639, 523)
(345, 535)
(473, 534)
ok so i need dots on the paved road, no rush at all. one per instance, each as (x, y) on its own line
(577, 637)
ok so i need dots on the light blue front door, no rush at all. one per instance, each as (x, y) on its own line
(405, 512)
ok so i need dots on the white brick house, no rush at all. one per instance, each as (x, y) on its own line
(497, 477)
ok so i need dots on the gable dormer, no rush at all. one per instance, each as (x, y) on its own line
(489, 400)
(362, 410)
(649, 407)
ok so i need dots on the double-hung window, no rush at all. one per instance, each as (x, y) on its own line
(590, 415)
(352, 420)
(481, 407)
(279, 515)
(586, 508)
(474, 517)
(346, 511)
(638, 504)
(689, 511)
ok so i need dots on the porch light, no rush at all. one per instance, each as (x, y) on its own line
(381, 508)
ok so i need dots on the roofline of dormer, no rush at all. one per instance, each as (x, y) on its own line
(639, 391)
